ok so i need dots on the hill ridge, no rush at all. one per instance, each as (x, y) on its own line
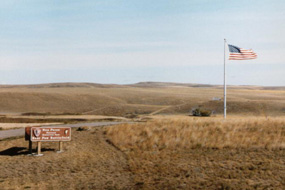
(146, 84)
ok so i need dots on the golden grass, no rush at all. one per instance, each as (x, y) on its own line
(122, 100)
(180, 152)
(190, 132)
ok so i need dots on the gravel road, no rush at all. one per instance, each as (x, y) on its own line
(20, 132)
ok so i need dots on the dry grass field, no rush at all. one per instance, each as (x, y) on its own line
(141, 98)
(180, 132)
(200, 153)
(167, 149)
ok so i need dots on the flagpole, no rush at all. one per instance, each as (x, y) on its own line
(225, 85)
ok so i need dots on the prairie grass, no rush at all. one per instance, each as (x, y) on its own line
(179, 152)
(190, 132)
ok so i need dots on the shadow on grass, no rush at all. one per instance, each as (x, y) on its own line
(16, 151)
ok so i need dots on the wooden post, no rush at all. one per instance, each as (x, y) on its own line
(30, 147)
(39, 148)
(60, 145)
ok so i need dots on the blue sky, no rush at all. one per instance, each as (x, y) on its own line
(128, 41)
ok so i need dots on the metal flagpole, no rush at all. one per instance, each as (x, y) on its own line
(225, 85)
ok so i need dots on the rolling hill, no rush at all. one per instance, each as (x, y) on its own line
(140, 98)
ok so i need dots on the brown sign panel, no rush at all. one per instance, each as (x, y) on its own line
(50, 133)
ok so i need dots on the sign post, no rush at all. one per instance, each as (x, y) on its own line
(30, 147)
(28, 138)
(39, 149)
(60, 147)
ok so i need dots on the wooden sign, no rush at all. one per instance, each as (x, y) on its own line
(50, 134)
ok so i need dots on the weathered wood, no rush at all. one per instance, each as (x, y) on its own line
(39, 147)
(60, 146)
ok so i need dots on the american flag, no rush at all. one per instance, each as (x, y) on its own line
(237, 53)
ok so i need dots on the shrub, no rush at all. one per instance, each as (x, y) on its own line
(201, 112)
(131, 115)
(84, 128)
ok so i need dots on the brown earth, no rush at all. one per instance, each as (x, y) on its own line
(89, 162)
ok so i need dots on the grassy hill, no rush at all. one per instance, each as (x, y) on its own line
(140, 98)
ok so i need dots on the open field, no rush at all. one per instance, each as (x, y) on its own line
(167, 149)
(139, 99)
(168, 152)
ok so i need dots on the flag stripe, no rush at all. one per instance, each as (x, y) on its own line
(243, 55)
(237, 53)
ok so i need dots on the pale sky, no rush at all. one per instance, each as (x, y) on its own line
(129, 41)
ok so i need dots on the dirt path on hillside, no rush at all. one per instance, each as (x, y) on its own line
(166, 107)
(160, 110)
(89, 162)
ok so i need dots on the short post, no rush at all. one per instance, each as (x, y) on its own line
(60, 145)
(39, 148)
(30, 147)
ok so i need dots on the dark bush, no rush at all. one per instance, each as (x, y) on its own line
(201, 112)
(84, 128)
